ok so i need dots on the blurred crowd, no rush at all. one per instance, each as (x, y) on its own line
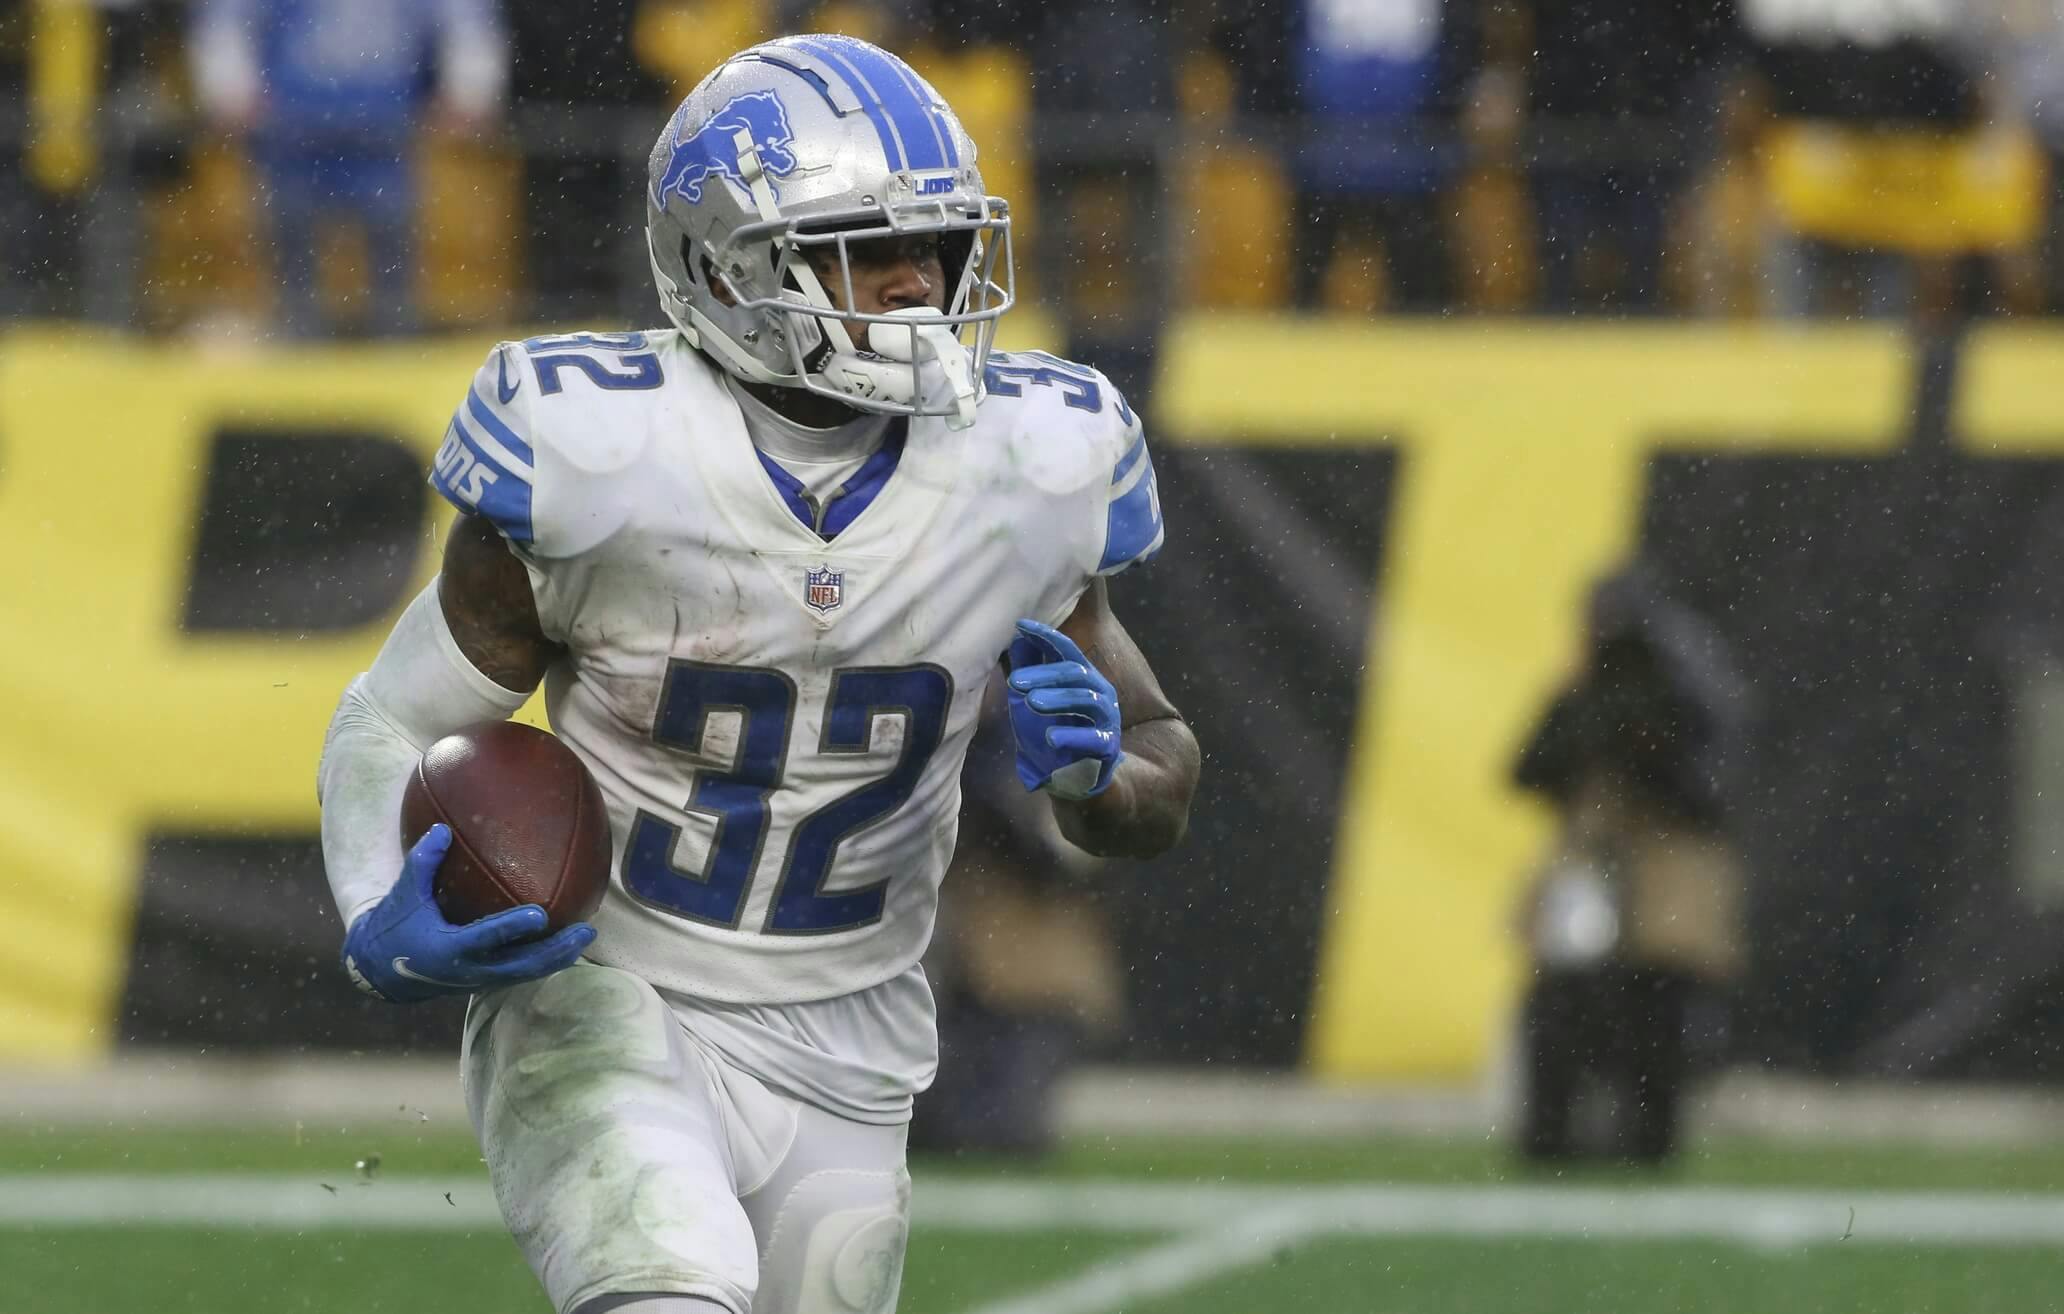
(320, 166)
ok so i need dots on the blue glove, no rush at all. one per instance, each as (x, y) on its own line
(1064, 714)
(403, 951)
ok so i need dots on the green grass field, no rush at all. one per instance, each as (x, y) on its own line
(1511, 1242)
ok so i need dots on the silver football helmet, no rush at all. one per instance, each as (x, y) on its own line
(808, 144)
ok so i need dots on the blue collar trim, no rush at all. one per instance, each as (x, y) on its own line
(853, 496)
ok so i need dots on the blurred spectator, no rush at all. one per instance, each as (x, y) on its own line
(50, 72)
(1103, 92)
(1615, 93)
(2019, 46)
(1377, 80)
(1718, 265)
(89, 106)
(1024, 965)
(329, 94)
(1634, 921)
(1494, 216)
(682, 41)
(1103, 85)
(583, 162)
(22, 201)
(1234, 196)
(1882, 154)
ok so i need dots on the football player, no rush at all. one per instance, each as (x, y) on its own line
(763, 563)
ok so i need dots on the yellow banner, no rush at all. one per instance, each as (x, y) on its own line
(1928, 193)
(117, 721)
(1522, 453)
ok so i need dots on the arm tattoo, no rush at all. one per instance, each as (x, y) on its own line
(485, 594)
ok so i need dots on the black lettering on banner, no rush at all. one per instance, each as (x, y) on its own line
(1257, 623)
(304, 531)
(235, 949)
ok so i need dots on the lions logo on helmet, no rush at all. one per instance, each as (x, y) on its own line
(712, 149)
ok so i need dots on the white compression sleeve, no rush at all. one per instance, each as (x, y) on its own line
(420, 689)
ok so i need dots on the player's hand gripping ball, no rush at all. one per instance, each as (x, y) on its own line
(510, 855)
(404, 951)
(1064, 714)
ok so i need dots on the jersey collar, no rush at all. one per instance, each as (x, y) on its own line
(892, 501)
(852, 497)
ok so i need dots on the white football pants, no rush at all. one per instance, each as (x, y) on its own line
(627, 1157)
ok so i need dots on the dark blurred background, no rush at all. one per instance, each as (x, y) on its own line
(194, 166)
(1875, 877)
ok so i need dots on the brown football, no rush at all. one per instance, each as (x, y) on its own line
(527, 821)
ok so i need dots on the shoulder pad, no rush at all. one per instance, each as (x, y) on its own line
(1108, 452)
(1064, 419)
(1132, 522)
(532, 438)
(487, 464)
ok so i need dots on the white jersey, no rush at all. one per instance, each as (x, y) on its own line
(775, 694)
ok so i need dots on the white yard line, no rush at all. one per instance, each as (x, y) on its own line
(1161, 1270)
(1751, 1216)
(1756, 1217)
(1217, 1229)
(1276, 1219)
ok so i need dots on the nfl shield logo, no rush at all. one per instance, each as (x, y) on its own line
(825, 589)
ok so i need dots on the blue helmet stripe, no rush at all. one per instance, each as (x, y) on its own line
(896, 71)
(891, 141)
(886, 88)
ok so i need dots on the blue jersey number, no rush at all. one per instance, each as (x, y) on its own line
(634, 370)
(736, 799)
(1005, 376)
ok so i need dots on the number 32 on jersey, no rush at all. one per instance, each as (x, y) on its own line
(736, 799)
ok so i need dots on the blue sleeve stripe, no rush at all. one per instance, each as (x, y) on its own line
(467, 474)
(503, 434)
(1132, 532)
(1130, 459)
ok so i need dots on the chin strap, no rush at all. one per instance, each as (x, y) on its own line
(922, 365)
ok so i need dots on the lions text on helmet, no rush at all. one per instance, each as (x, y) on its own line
(791, 165)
